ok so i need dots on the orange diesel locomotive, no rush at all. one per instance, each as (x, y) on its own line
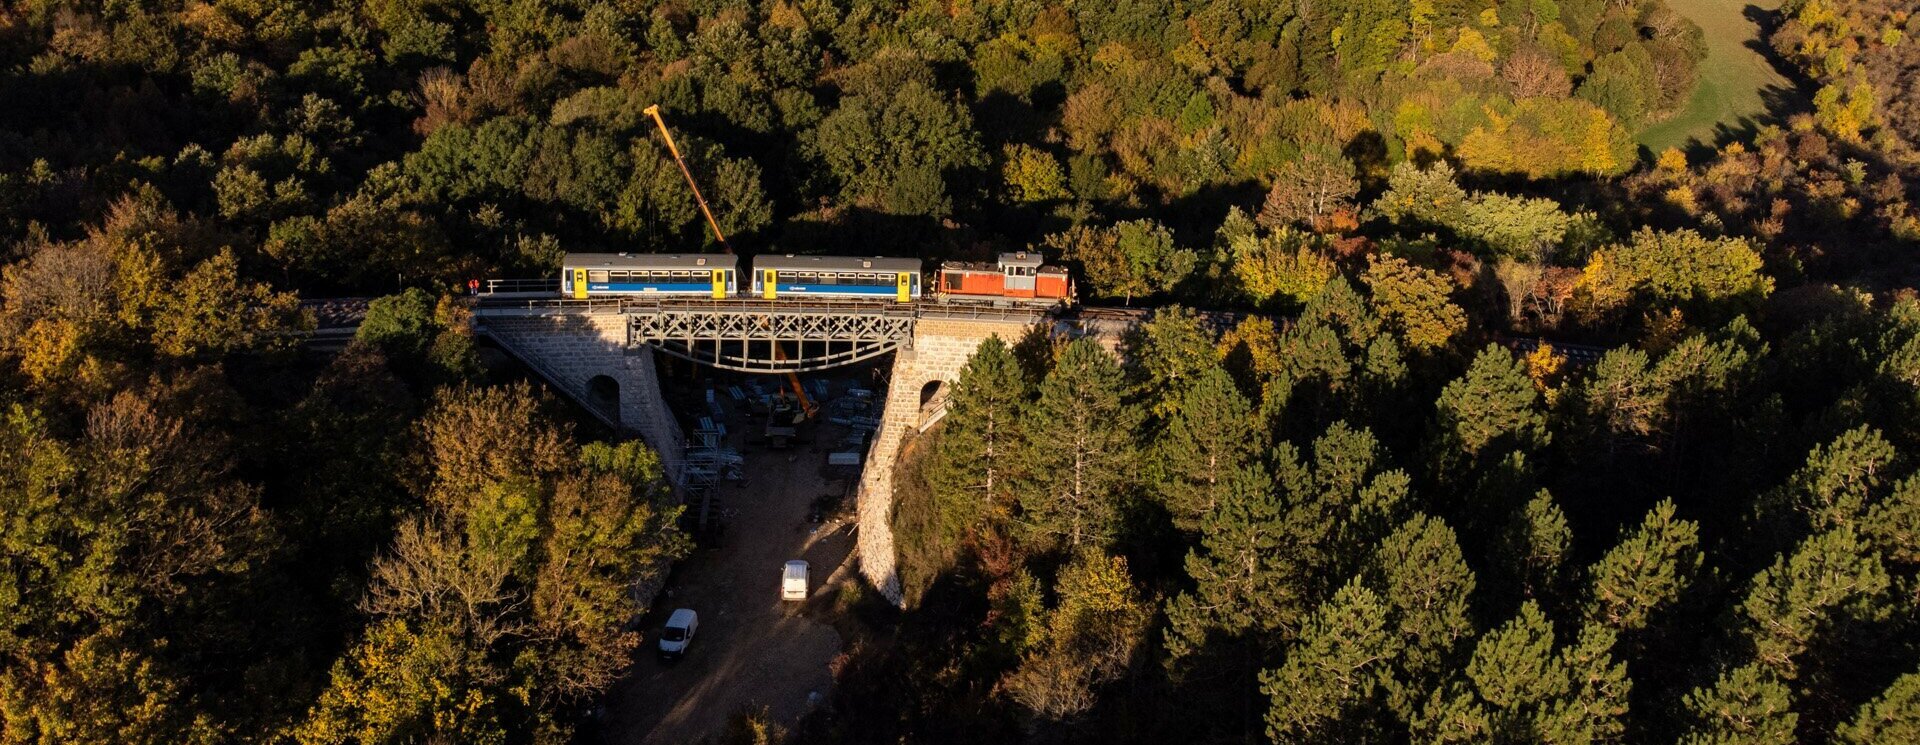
(1019, 277)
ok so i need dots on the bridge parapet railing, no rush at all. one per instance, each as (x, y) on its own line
(758, 306)
(522, 306)
(546, 286)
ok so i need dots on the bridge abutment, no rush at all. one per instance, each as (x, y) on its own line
(571, 351)
(941, 347)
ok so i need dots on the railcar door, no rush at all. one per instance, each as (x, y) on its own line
(1019, 281)
(767, 280)
(579, 284)
(904, 286)
(719, 283)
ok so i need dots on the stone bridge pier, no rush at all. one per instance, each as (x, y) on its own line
(941, 347)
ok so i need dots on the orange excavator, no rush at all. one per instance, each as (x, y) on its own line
(806, 407)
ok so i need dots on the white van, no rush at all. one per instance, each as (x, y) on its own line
(678, 633)
(793, 581)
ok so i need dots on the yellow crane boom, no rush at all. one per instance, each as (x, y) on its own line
(654, 111)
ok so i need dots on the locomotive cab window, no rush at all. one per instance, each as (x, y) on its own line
(954, 280)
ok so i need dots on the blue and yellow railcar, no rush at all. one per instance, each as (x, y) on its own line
(584, 275)
(862, 277)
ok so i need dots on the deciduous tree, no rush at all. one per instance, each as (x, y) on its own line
(1088, 638)
(1414, 300)
(1308, 190)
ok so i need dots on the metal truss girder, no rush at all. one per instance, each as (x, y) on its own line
(771, 325)
(717, 355)
(755, 336)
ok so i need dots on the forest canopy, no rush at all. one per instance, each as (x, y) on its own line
(1489, 424)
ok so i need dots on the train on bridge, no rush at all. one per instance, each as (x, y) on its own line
(1015, 278)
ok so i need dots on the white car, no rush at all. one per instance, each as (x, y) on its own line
(678, 633)
(793, 581)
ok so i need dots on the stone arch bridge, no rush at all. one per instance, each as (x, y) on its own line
(577, 345)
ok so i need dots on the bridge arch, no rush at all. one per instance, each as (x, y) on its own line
(934, 390)
(603, 393)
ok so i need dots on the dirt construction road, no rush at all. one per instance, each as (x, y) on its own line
(752, 649)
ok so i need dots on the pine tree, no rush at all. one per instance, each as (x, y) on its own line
(1513, 667)
(1648, 570)
(1211, 438)
(1077, 455)
(1322, 692)
(1242, 577)
(1595, 707)
(1748, 706)
(1268, 547)
(1423, 577)
(1495, 402)
(1522, 691)
(1834, 488)
(1453, 714)
(1893, 525)
(971, 475)
(1535, 543)
(1337, 506)
(1829, 576)
(1341, 348)
(1892, 717)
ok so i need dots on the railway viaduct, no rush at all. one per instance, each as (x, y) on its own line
(588, 348)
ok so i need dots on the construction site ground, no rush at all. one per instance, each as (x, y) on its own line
(752, 649)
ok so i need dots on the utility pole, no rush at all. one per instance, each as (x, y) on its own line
(654, 111)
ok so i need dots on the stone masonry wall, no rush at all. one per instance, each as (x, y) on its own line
(570, 350)
(940, 348)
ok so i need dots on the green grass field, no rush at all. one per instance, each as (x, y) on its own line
(1731, 78)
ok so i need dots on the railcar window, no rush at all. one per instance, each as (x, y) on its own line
(597, 275)
(617, 276)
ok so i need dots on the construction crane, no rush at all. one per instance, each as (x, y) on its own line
(793, 380)
(654, 111)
